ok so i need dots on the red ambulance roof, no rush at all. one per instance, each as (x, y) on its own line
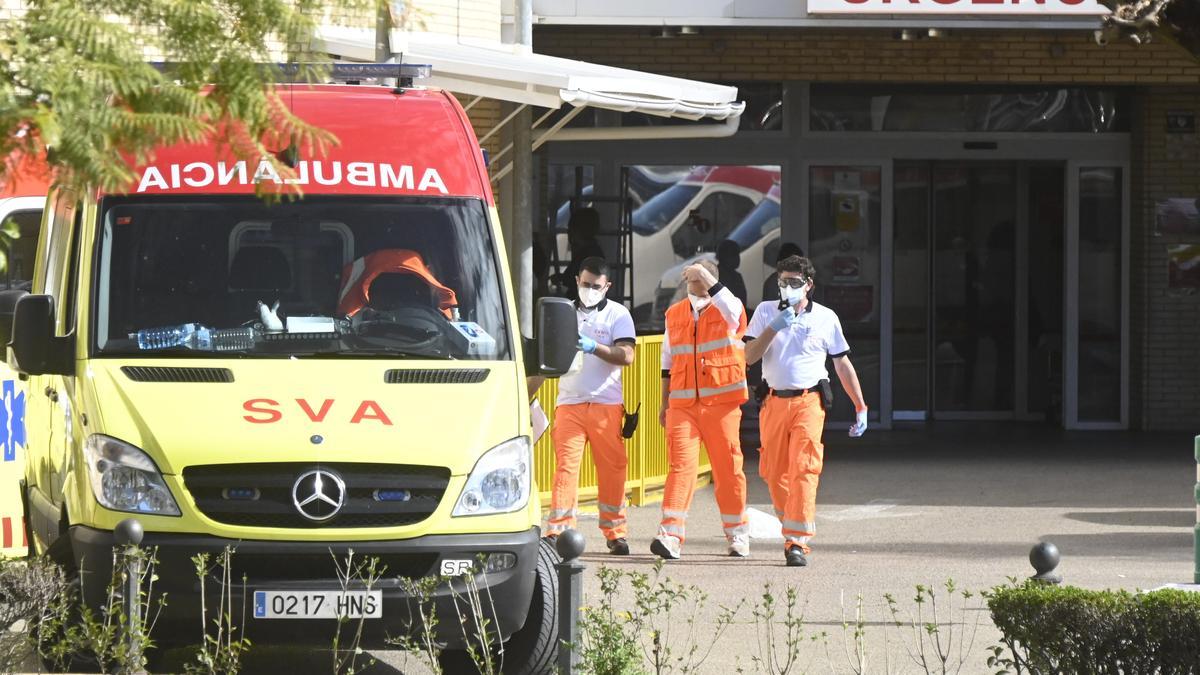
(24, 176)
(416, 143)
(752, 177)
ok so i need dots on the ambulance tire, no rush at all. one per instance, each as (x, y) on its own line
(532, 650)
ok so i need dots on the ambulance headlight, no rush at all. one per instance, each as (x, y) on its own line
(125, 479)
(500, 481)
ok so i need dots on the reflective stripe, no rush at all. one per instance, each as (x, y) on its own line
(559, 514)
(715, 391)
(679, 515)
(736, 531)
(710, 391)
(556, 528)
(612, 523)
(674, 530)
(677, 350)
(799, 526)
(728, 341)
(609, 508)
(734, 519)
(793, 539)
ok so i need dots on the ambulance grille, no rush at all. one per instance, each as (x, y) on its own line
(177, 374)
(260, 495)
(436, 376)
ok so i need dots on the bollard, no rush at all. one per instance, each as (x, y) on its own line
(128, 533)
(1045, 558)
(570, 546)
(1196, 530)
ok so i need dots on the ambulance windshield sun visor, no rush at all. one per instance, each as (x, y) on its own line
(322, 276)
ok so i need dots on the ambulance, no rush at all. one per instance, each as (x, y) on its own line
(22, 197)
(296, 379)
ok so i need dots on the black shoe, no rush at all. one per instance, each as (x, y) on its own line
(618, 546)
(795, 557)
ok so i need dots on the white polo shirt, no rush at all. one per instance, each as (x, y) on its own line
(598, 381)
(795, 359)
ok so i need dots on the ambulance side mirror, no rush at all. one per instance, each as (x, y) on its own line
(557, 336)
(8, 306)
(36, 350)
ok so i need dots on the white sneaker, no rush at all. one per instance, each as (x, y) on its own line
(739, 546)
(666, 547)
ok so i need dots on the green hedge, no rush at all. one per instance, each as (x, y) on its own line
(1062, 629)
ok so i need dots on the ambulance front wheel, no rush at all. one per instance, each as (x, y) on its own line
(532, 650)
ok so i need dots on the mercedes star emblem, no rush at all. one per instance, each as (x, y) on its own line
(319, 494)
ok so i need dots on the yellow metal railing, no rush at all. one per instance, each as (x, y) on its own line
(647, 450)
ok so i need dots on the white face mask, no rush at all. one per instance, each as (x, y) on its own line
(698, 303)
(793, 296)
(590, 297)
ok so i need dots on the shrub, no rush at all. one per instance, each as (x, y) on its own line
(1052, 629)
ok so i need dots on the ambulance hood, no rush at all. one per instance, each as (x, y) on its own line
(306, 410)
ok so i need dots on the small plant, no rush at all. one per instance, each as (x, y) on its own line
(666, 609)
(422, 622)
(31, 592)
(610, 643)
(780, 638)
(362, 574)
(483, 646)
(935, 644)
(221, 649)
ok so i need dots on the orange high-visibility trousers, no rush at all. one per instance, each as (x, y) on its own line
(792, 457)
(575, 426)
(717, 426)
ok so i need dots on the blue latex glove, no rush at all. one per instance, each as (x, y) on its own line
(783, 319)
(586, 345)
(860, 425)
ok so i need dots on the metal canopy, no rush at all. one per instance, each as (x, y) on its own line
(510, 73)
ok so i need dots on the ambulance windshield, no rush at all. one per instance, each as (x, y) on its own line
(321, 276)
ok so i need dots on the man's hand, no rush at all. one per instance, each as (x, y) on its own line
(662, 417)
(701, 274)
(586, 345)
(860, 424)
(783, 320)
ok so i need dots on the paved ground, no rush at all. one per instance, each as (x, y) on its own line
(902, 508)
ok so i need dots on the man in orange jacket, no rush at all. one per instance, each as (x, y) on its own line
(793, 336)
(703, 388)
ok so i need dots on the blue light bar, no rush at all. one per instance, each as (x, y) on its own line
(341, 71)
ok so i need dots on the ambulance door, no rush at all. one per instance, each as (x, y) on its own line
(61, 388)
(44, 424)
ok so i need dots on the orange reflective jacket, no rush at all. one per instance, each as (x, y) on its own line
(708, 361)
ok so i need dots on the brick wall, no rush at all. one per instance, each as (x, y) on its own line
(865, 55)
(1165, 325)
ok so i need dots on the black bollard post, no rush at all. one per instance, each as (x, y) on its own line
(128, 534)
(570, 545)
(1045, 558)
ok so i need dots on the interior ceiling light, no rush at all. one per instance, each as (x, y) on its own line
(908, 34)
(663, 33)
(689, 30)
(936, 33)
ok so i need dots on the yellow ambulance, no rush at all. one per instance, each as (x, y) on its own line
(294, 378)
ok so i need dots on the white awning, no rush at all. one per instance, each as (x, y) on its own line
(510, 73)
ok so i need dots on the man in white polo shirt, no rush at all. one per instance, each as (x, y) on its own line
(793, 336)
(590, 409)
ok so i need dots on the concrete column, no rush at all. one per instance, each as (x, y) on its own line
(521, 253)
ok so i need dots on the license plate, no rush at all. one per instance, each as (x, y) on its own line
(318, 604)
